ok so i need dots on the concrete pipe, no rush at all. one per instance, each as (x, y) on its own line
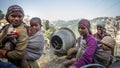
(62, 40)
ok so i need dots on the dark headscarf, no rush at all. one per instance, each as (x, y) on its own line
(86, 23)
(14, 8)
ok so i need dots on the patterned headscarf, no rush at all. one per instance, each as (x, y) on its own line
(86, 23)
(13, 8)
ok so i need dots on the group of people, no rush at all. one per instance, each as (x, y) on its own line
(91, 48)
(20, 44)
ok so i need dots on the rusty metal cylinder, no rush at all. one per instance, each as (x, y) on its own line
(62, 40)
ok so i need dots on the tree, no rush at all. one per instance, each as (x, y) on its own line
(46, 25)
(1, 15)
(49, 29)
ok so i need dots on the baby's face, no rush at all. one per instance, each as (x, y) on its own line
(106, 47)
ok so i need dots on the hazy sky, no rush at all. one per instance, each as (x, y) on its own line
(65, 9)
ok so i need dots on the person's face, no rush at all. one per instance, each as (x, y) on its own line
(82, 29)
(99, 29)
(15, 18)
(35, 25)
(105, 47)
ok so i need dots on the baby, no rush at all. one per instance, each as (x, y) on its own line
(104, 54)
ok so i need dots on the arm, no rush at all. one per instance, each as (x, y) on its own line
(87, 57)
(21, 44)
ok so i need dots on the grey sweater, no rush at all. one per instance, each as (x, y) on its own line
(35, 46)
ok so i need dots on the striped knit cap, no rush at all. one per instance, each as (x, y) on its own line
(109, 41)
(13, 8)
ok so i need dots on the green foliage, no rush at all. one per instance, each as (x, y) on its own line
(1, 15)
(117, 17)
(48, 29)
(46, 24)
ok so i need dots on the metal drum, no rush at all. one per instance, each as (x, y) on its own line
(62, 40)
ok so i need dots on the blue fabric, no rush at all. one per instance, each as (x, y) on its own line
(6, 65)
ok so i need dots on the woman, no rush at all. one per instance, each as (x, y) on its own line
(87, 46)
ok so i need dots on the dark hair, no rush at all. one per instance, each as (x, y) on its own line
(36, 18)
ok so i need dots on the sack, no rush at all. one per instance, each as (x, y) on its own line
(102, 57)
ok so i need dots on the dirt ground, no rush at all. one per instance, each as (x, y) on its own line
(50, 60)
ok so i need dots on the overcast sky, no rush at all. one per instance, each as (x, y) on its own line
(65, 9)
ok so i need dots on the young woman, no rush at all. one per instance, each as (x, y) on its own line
(87, 46)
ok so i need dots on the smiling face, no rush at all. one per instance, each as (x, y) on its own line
(35, 24)
(99, 29)
(15, 18)
(82, 30)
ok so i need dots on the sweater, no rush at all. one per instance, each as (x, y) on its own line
(87, 56)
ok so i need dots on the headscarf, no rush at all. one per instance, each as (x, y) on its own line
(86, 23)
(13, 8)
(101, 23)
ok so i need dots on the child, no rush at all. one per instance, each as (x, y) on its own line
(14, 16)
(87, 47)
(105, 53)
(35, 45)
